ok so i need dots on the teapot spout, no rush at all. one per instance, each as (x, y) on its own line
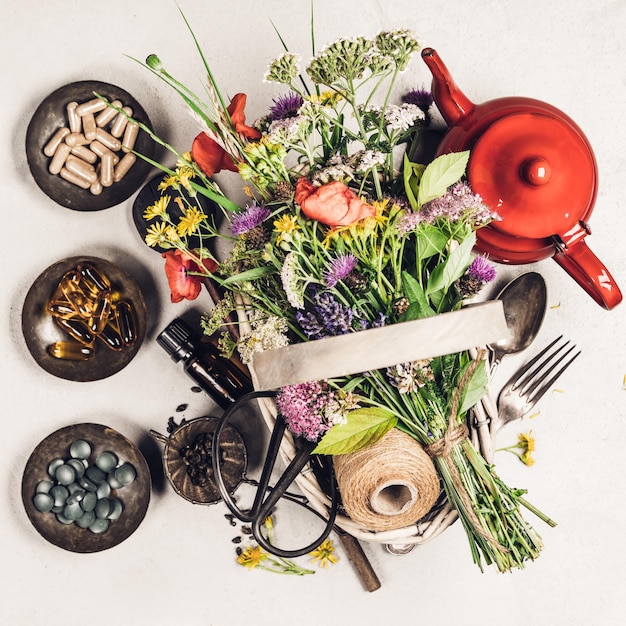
(452, 103)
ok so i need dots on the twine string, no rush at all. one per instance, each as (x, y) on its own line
(454, 435)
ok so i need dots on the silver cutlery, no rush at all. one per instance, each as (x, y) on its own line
(528, 385)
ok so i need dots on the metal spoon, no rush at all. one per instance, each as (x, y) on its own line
(524, 301)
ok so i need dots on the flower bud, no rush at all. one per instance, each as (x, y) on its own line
(153, 62)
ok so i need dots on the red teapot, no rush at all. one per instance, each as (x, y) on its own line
(533, 165)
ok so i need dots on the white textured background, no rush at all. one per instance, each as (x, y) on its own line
(179, 567)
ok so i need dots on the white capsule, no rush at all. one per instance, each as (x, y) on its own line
(96, 188)
(92, 106)
(128, 160)
(107, 114)
(118, 126)
(99, 149)
(130, 136)
(108, 140)
(74, 121)
(59, 158)
(106, 171)
(51, 147)
(75, 179)
(89, 126)
(84, 153)
(76, 139)
(81, 168)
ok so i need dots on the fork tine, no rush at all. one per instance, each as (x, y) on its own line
(534, 379)
(521, 373)
(548, 383)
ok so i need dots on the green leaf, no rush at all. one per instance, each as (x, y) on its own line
(444, 171)
(252, 274)
(411, 174)
(442, 277)
(475, 389)
(418, 303)
(363, 428)
(429, 241)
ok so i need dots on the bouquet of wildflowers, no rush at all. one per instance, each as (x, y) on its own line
(343, 232)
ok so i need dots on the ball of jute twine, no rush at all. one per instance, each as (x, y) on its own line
(388, 485)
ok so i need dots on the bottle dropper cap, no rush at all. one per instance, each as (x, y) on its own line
(175, 340)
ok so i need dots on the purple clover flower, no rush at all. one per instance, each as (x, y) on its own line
(252, 216)
(481, 270)
(339, 269)
(421, 98)
(302, 407)
(285, 106)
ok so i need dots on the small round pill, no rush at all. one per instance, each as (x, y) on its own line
(103, 508)
(86, 484)
(106, 461)
(73, 511)
(99, 526)
(80, 449)
(52, 466)
(114, 483)
(77, 466)
(125, 473)
(95, 475)
(88, 518)
(60, 495)
(88, 503)
(116, 509)
(104, 490)
(43, 502)
(44, 486)
(76, 496)
(64, 520)
(64, 474)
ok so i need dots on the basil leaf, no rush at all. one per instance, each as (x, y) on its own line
(363, 428)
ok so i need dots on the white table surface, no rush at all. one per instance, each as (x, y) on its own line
(179, 567)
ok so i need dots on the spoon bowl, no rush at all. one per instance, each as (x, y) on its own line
(524, 301)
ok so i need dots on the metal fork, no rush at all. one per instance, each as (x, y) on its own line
(524, 389)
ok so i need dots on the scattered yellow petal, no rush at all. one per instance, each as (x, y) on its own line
(555, 306)
(558, 391)
(534, 415)
(624, 382)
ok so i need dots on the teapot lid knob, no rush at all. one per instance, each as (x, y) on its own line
(536, 171)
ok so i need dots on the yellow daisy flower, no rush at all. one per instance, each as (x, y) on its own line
(251, 557)
(167, 182)
(158, 209)
(286, 225)
(190, 221)
(161, 234)
(526, 441)
(324, 554)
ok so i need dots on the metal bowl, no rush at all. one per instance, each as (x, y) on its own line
(134, 497)
(193, 479)
(40, 330)
(51, 115)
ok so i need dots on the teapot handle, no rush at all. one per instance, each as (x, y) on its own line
(577, 259)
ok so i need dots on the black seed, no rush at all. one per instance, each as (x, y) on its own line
(246, 530)
(196, 389)
(181, 407)
(236, 540)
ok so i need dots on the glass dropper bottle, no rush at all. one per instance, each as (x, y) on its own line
(218, 376)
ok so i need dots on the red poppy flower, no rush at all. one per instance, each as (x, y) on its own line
(209, 155)
(333, 204)
(183, 284)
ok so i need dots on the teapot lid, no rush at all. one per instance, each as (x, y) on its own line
(536, 171)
